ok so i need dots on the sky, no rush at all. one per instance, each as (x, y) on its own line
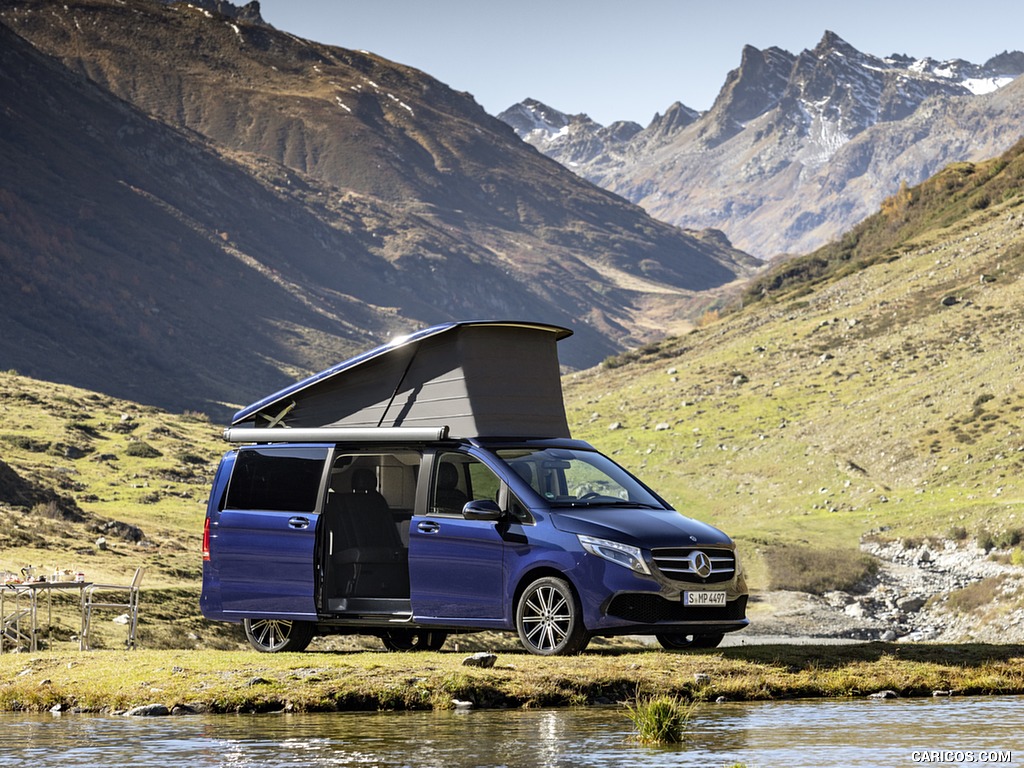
(629, 59)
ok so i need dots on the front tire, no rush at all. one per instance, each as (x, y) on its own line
(549, 619)
(278, 635)
(687, 642)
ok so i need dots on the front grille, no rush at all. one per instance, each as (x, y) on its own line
(682, 563)
(652, 609)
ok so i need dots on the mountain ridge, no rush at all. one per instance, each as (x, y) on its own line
(782, 126)
(354, 198)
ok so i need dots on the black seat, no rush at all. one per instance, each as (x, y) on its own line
(447, 497)
(366, 556)
(525, 471)
(367, 513)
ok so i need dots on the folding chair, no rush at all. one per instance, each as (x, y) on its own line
(102, 597)
(11, 631)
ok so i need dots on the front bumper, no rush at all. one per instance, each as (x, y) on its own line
(641, 614)
(631, 603)
(655, 609)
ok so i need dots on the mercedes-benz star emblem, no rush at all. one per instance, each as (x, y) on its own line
(701, 564)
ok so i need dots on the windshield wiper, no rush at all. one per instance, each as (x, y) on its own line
(607, 502)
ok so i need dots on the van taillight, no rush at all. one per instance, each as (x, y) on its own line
(206, 540)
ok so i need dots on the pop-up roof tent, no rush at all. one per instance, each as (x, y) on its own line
(466, 379)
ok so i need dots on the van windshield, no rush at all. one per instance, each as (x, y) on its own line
(577, 478)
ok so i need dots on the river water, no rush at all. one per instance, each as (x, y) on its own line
(793, 734)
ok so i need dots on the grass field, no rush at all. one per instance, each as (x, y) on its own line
(246, 681)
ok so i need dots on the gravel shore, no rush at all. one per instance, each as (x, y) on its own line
(907, 601)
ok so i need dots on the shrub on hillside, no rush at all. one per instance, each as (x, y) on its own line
(802, 568)
(976, 596)
(193, 458)
(26, 443)
(142, 451)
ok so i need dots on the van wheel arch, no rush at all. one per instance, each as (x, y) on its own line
(531, 576)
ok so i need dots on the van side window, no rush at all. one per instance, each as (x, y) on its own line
(459, 478)
(448, 494)
(483, 482)
(278, 480)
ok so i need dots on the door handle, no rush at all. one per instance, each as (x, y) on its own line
(429, 527)
(298, 522)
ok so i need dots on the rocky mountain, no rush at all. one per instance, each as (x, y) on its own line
(796, 148)
(574, 140)
(249, 12)
(196, 208)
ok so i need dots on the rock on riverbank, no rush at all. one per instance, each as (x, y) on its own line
(935, 591)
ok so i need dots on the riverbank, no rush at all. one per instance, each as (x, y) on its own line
(243, 681)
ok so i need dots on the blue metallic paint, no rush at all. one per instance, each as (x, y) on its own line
(465, 574)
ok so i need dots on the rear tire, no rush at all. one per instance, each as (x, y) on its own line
(413, 640)
(687, 642)
(278, 635)
(549, 619)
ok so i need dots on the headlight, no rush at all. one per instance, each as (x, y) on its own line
(620, 554)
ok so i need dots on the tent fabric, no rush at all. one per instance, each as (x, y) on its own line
(479, 379)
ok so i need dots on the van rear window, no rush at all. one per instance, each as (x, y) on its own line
(284, 480)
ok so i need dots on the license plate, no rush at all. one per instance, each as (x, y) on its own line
(704, 598)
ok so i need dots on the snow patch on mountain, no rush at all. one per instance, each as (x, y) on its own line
(982, 85)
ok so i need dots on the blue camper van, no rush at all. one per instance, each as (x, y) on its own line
(431, 485)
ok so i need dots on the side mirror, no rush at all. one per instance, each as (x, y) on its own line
(482, 509)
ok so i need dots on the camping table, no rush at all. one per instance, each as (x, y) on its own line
(31, 590)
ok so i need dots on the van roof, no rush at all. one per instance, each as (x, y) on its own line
(474, 378)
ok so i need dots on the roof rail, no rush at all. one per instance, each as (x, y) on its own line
(335, 434)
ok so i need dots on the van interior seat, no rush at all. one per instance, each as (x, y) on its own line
(447, 496)
(366, 555)
(525, 471)
(366, 515)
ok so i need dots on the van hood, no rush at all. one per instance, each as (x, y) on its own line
(638, 526)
